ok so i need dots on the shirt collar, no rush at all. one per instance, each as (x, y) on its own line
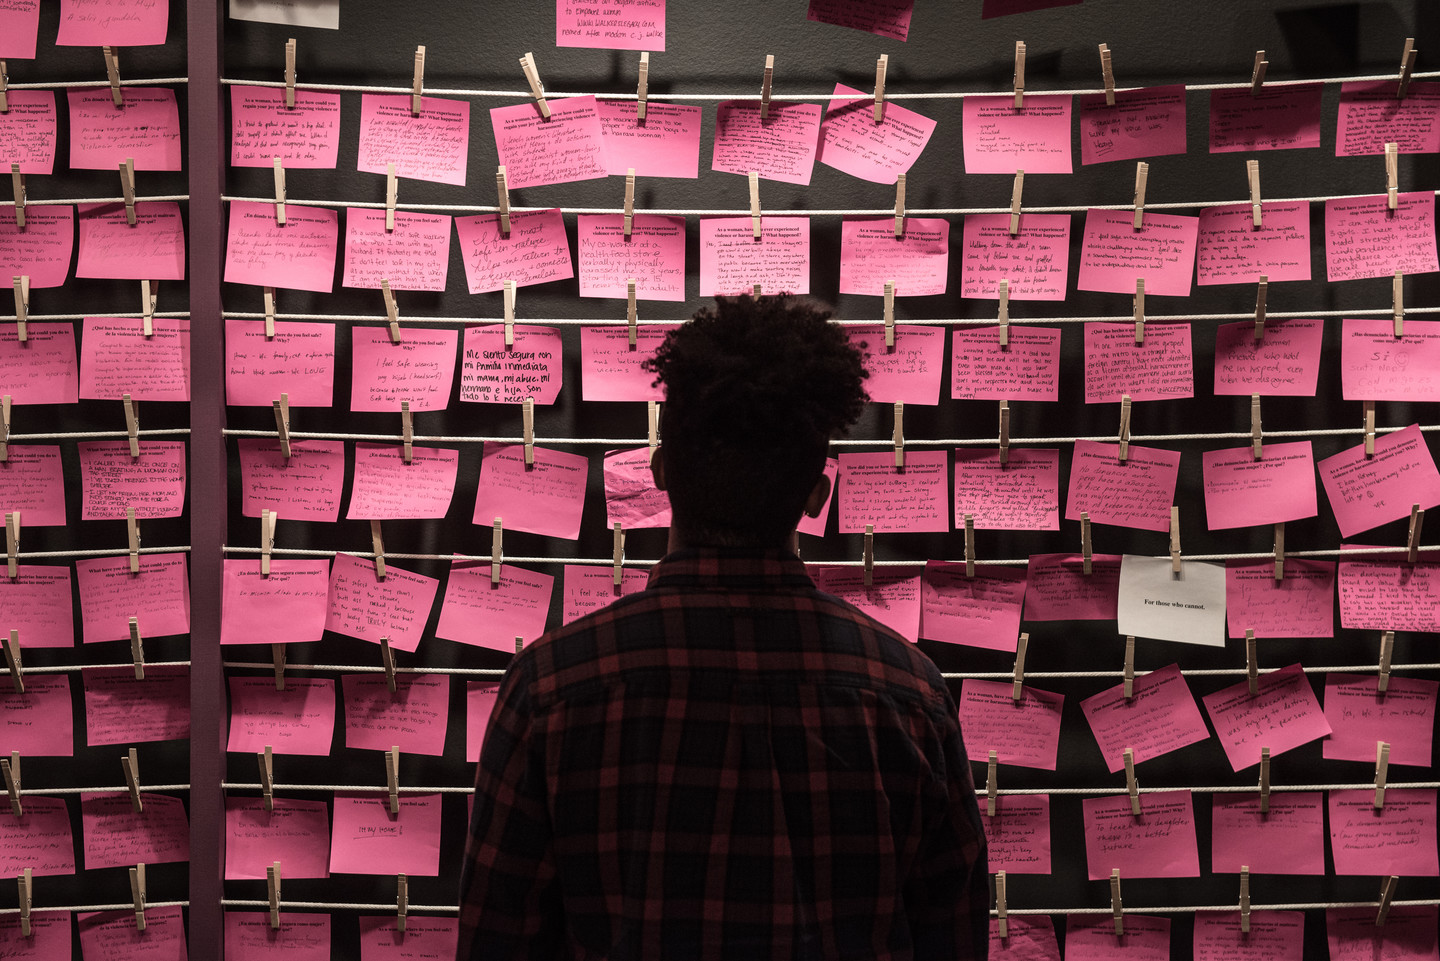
(731, 568)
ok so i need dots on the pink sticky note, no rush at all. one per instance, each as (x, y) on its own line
(480, 613)
(1034, 260)
(1289, 839)
(1284, 362)
(414, 255)
(1058, 589)
(781, 147)
(610, 369)
(1018, 833)
(631, 498)
(1271, 936)
(433, 146)
(27, 131)
(980, 611)
(1001, 138)
(1028, 368)
(300, 937)
(121, 709)
(364, 606)
(884, 18)
(113, 934)
(546, 498)
(1137, 493)
(287, 607)
(910, 372)
(297, 720)
(152, 249)
(667, 144)
(116, 358)
(1407, 935)
(1148, 122)
(1396, 839)
(732, 261)
(39, 721)
(1159, 843)
(112, 481)
(1241, 491)
(32, 482)
(1365, 492)
(158, 597)
(1377, 365)
(1092, 937)
(535, 251)
(872, 256)
(815, 526)
(532, 366)
(420, 369)
(368, 839)
(479, 705)
(306, 486)
(1359, 716)
(412, 717)
(1283, 714)
(1271, 118)
(852, 142)
(588, 589)
(1028, 938)
(1372, 115)
(1113, 254)
(297, 256)
(103, 136)
(892, 598)
(117, 23)
(387, 488)
(1024, 732)
(115, 834)
(296, 833)
(536, 152)
(422, 938)
(654, 256)
(1387, 593)
(42, 369)
(1232, 250)
(19, 28)
(1020, 495)
(642, 26)
(42, 250)
(38, 839)
(37, 604)
(1301, 604)
(873, 491)
(1161, 717)
(1005, 8)
(305, 136)
(1364, 238)
(49, 935)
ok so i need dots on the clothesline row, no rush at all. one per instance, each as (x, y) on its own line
(122, 789)
(39, 202)
(99, 552)
(127, 665)
(91, 908)
(15, 438)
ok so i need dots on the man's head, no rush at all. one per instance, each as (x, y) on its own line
(754, 391)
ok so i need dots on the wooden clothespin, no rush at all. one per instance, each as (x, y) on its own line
(12, 543)
(4, 88)
(112, 70)
(1387, 892)
(1004, 433)
(22, 305)
(1397, 299)
(1392, 175)
(279, 655)
(265, 760)
(502, 190)
(1261, 291)
(127, 188)
(755, 204)
(880, 67)
(1407, 66)
(269, 299)
(282, 423)
(508, 296)
(1142, 174)
(1107, 68)
(629, 217)
(519, 644)
(1417, 521)
(1087, 552)
(1264, 780)
(618, 544)
(10, 767)
(889, 315)
(17, 186)
(1257, 75)
(642, 87)
(756, 293)
(537, 89)
(653, 431)
(899, 206)
(1131, 784)
(1257, 437)
(290, 74)
(527, 427)
(130, 764)
(407, 433)
(5, 404)
(1139, 305)
(1244, 899)
(1252, 667)
(1382, 771)
(402, 901)
(1280, 551)
(1019, 76)
(27, 894)
(272, 882)
(392, 310)
(132, 424)
(991, 787)
(868, 555)
(1124, 427)
(1003, 314)
(132, 537)
(1015, 193)
(392, 194)
(897, 435)
(1021, 646)
(1387, 651)
(149, 294)
(279, 167)
(632, 315)
(417, 83)
(765, 87)
(1128, 677)
(1252, 174)
(1001, 909)
(392, 778)
(969, 545)
(1369, 428)
(1175, 541)
(137, 649)
(497, 550)
(1117, 908)
(137, 894)
(387, 661)
(267, 539)
(377, 546)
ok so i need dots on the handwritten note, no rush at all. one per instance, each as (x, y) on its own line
(1408, 934)
(111, 480)
(116, 358)
(910, 372)
(1161, 717)
(113, 934)
(1241, 491)
(1092, 937)
(631, 498)
(27, 131)
(158, 597)
(117, 835)
(495, 374)
(1376, 365)
(1271, 118)
(412, 718)
(635, 26)
(586, 589)
(423, 938)
(1158, 843)
(49, 935)
(120, 23)
(1024, 732)
(1021, 495)
(653, 256)
(1359, 716)
(1001, 138)
(1113, 254)
(1034, 260)
(780, 147)
(1363, 238)
(1155, 602)
(119, 709)
(364, 606)
(38, 839)
(387, 488)
(1058, 589)
(1284, 362)
(1137, 493)
(1365, 492)
(298, 720)
(1027, 369)
(872, 256)
(146, 129)
(1372, 115)
(874, 491)
(420, 369)
(415, 255)
(979, 611)
(32, 482)
(42, 250)
(535, 251)
(152, 249)
(305, 136)
(433, 146)
(299, 361)
(1283, 714)
(667, 144)
(298, 256)
(42, 370)
(296, 833)
(892, 597)
(1149, 122)
(19, 28)
(610, 368)
(287, 607)
(37, 604)
(546, 498)
(1018, 835)
(569, 146)
(300, 937)
(482, 614)
(1232, 250)
(39, 722)
(368, 839)
(1396, 839)
(1298, 605)
(884, 18)
(306, 486)
(852, 142)
(1388, 593)
(1290, 839)
(479, 705)
(1272, 936)
(732, 261)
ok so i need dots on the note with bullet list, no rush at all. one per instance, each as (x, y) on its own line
(1271, 118)
(1001, 138)
(111, 481)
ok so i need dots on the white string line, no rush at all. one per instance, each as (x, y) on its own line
(29, 202)
(71, 668)
(159, 314)
(102, 552)
(124, 789)
(371, 669)
(84, 434)
(354, 906)
(361, 788)
(88, 908)
(133, 82)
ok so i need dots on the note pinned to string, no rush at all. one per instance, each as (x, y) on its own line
(535, 152)
(424, 937)
(1284, 362)
(1298, 605)
(1376, 365)
(1161, 717)
(306, 486)
(1022, 494)
(1162, 368)
(1137, 493)
(40, 722)
(298, 720)
(1113, 254)
(610, 369)
(1024, 732)
(387, 488)
(158, 597)
(1407, 935)
(433, 146)
(151, 249)
(116, 835)
(1398, 838)
(1091, 937)
(586, 588)
(420, 369)
(1157, 843)
(1364, 238)
(413, 256)
(666, 145)
(27, 129)
(1232, 250)
(42, 369)
(122, 709)
(32, 481)
(297, 256)
(1372, 115)
(732, 261)
(287, 607)
(479, 705)
(893, 596)
(117, 23)
(1058, 589)
(631, 497)
(114, 934)
(782, 147)
(532, 367)
(871, 256)
(886, 18)
(653, 256)
(363, 606)
(978, 611)
(146, 130)
(412, 717)
(302, 936)
(19, 29)
(480, 613)
(49, 935)
(1289, 839)
(1365, 492)
(42, 250)
(535, 251)
(1028, 368)
(910, 373)
(1359, 715)
(1388, 593)
(636, 26)
(853, 143)
(1271, 936)
(815, 526)
(368, 839)
(1155, 602)
(546, 498)
(1001, 139)
(304, 137)
(1283, 715)
(1017, 837)
(38, 839)
(1241, 491)
(1149, 122)
(296, 833)
(1272, 118)
(112, 481)
(1033, 261)
(299, 361)
(116, 358)
(872, 491)
(37, 604)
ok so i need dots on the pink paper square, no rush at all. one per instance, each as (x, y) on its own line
(116, 358)
(546, 498)
(536, 152)
(387, 488)
(1372, 115)
(306, 486)
(298, 256)
(874, 491)
(1360, 716)
(1284, 714)
(32, 482)
(910, 372)
(300, 937)
(152, 249)
(433, 146)
(38, 839)
(1364, 238)
(1396, 839)
(610, 369)
(37, 604)
(479, 705)
(287, 607)
(631, 498)
(1017, 836)
(1113, 254)
(884, 18)
(19, 28)
(654, 256)
(1035, 260)
(1387, 593)
(1093, 938)
(42, 370)
(420, 369)
(1021, 495)
(781, 147)
(1148, 122)
(667, 144)
(158, 597)
(368, 839)
(1027, 369)
(1272, 936)
(480, 613)
(1290, 839)
(1376, 365)
(412, 718)
(296, 833)
(1284, 362)
(535, 251)
(1232, 250)
(1241, 491)
(1301, 604)
(116, 835)
(42, 250)
(113, 934)
(1058, 589)
(298, 720)
(732, 261)
(1159, 843)
(980, 611)
(1271, 118)
(872, 256)
(1137, 493)
(893, 597)
(304, 137)
(641, 27)
(112, 481)
(533, 366)
(103, 136)
(815, 526)
(1407, 935)
(415, 255)
(1161, 717)
(364, 606)
(423, 937)
(587, 589)
(27, 130)
(853, 143)
(1001, 138)
(49, 937)
(1024, 732)
(1365, 492)
(38, 722)
(121, 709)
(117, 23)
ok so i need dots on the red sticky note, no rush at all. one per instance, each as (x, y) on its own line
(1017, 836)
(483, 614)
(653, 256)
(37, 604)
(781, 147)
(872, 256)
(853, 143)
(1376, 365)
(306, 486)
(1372, 115)
(1272, 936)
(412, 717)
(304, 137)
(479, 705)
(1283, 714)
(117, 23)
(42, 369)
(815, 526)
(387, 488)
(1137, 493)
(32, 482)
(414, 255)
(116, 358)
(893, 597)
(1149, 122)
(1396, 839)
(1290, 839)
(1058, 589)
(381, 940)
(38, 839)
(1020, 495)
(1275, 117)
(1161, 717)
(1241, 491)
(298, 256)
(1113, 254)
(1001, 138)
(42, 250)
(546, 498)
(910, 372)
(535, 251)
(1024, 732)
(368, 839)
(1364, 238)
(535, 152)
(116, 835)
(587, 588)
(1092, 937)
(121, 709)
(113, 934)
(1359, 716)
(874, 491)
(1034, 260)
(980, 611)
(1027, 369)
(19, 27)
(533, 366)
(103, 136)
(610, 369)
(1365, 492)
(1232, 250)
(420, 368)
(1387, 593)
(296, 833)
(641, 27)
(1407, 935)
(287, 607)
(433, 146)
(1301, 604)
(158, 597)
(1159, 843)
(367, 607)
(39, 721)
(27, 130)
(1284, 362)
(49, 936)
(152, 249)
(884, 18)
(300, 937)
(631, 498)
(111, 480)
(297, 720)
(732, 261)
(667, 144)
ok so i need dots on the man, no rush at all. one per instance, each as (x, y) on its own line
(729, 764)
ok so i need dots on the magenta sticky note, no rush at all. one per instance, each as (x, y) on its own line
(111, 481)
(532, 366)
(116, 358)
(1396, 839)
(1092, 937)
(296, 833)
(32, 482)
(884, 18)
(153, 248)
(853, 143)
(1283, 714)
(42, 369)
(631, 498)
(1017, 835)
(1372, 115)
(42, 250)
(39, 721)
(1232, 250)
(1387, 593)
(1289, 839)
(300, 937)
(1271, 936)
(1274, 117)
(413, 255)
(815, 526)
(479, 705)
(423, 937)
(412, 717)
(535, 251)
(873, 491)
(1028, 368)
(1058, 589)
(115, 834)
(653, 256)
(979, 611)
(1364, 238)
(49, 936)
(306, 486)
(732, 261)
(304, 137)
(1377, 365)
(1300, 604)
(27, 130)
(1113, 254)
(39, 839)
(297, 256)
(1365, 492)
(1148, 122)
(546, 498)
(1024, 732)
(1001, 138)
(1033, 261)
(1407, 935)
(103, 136)
(158, 597)
(667, 144)
(298, 720)
(909, 372)
(536, 152)
(1360, 716)
(37, 604)
(368, 607)
(19, 28)
(781, 147)
(1006, 8)
(433, 146)
(481, 613)
(586, 589)
(1023, 494)
(1283, 362)
(113, 934)
(122, 709)
(1241, 491)
(117, 23)
(368, 839)
(286, 607)
(892, 597)
(385, 487)
(1137, 493)
(641, 26)
(611, 369)
(1161, 717)
(872, 256)
(420, 369)
(1158, 843)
